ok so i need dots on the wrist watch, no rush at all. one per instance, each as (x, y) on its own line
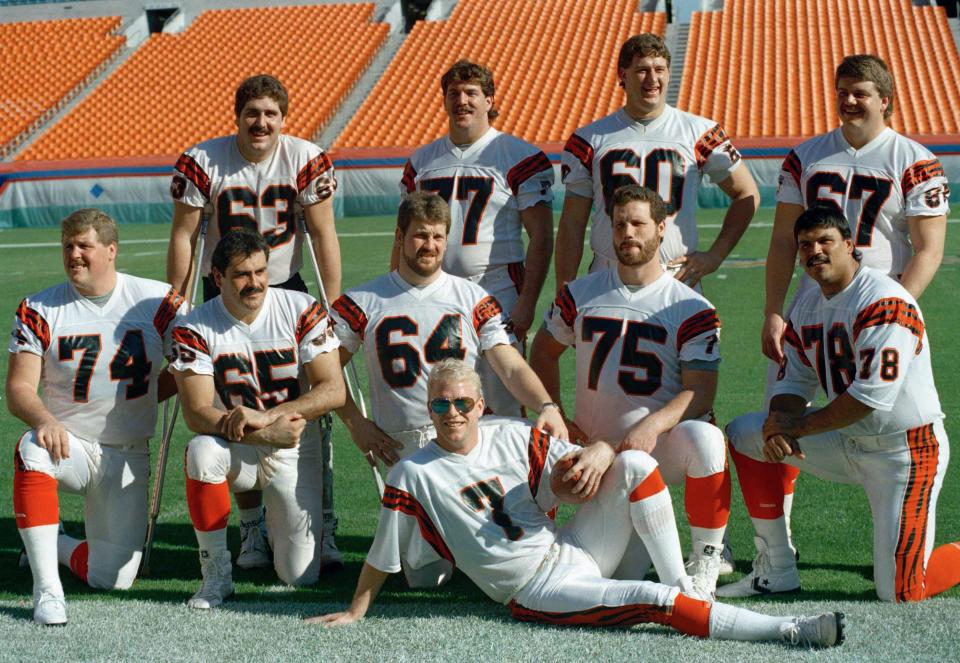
(548, 404)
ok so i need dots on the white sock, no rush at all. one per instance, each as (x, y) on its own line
(41, 545)
(711, 537)
(213, 543)
(654, 522)
(774, 533)
(731, 623)
(65, 547)
(250, 517)
(787, 510)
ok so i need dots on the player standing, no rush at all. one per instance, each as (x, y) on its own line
(253, 367)
(479, 494)
(892, 189)
(261, 180)
(93, 346)
(665, 149)
(648, 356)
(860, 336)
(497, 186)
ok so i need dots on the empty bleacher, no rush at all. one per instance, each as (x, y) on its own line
(44, 64)
(177, 89)
(554, 63)
(764, 68)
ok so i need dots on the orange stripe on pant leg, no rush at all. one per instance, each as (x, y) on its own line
(209, 504)
(911, 542)
(35, 500)
(943, 570)
(788, 474)
(761, 486)
(650, 486)
(707, 500)
(79, 563)
(690, 616)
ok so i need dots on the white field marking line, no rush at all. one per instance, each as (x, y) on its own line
(49, 245)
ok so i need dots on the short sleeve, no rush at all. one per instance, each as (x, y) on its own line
(31, 333)
(190, 184)
(926, 191)
(698, 337)
(788, 182)
(349, 323)
(315, 335)
(531, 181)
(491, 324)
(313, 178)
(560, 318)
(576, 167)
(190, 352)
(716, 155)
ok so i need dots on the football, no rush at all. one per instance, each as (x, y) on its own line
(564, 489)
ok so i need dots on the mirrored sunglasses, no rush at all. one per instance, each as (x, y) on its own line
(442, 405)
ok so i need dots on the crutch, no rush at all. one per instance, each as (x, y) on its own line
(353, 385)
(169, 420)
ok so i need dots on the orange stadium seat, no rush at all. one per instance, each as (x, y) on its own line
(553, 61)
(788, 50)
(45, 64)
(177, 89)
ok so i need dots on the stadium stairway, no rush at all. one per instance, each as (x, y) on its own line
(361, 90)
(676, 37)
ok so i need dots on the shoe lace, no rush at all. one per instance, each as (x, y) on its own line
(802, 631)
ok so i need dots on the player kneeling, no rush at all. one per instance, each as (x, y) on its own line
(478, 496)
(94, 347)
(254, 365)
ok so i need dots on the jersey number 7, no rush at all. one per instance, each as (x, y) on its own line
(129, 363)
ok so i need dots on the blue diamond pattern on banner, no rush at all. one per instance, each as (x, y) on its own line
(96, 191)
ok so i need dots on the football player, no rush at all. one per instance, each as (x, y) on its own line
(497, 186)
(892, 189)
(647, 349)
(480, 493)
(665, 149)
(261, 180)
(859, 335)
(93, 347)
(254, 366)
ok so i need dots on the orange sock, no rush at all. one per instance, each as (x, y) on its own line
(943, 569)
(650, 486)
(35, 500)
(761, 485)
(707, 500)
(788, 474)
(209, 504)
(691, 616)
(79, 560)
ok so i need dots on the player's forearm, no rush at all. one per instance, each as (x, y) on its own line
(781, 257)
(349, 413)
(842, 411)
(178, 260)
(25, 404)
(735, 223)
(321, 399)
(520, 380)
(682, 407)
(546, 367)
(539, 225)
(202, 419)
(368, 586)
(328, 255)
(920, 271)
(570, 236)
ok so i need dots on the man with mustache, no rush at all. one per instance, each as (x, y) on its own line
(894, 192)
(665, 149)
(255, 366)
(85, 356)
(648, 355)
(497, 186)
(860, 337)
(412, 318)
(261, 180)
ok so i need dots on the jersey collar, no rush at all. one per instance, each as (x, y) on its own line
(879, 140)
(473, 148)
(654, 125)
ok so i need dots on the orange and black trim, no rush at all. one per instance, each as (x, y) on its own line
(708, 142)
(526, 169)
(190, 169)
(402, 501)
(314, 168)
(890, 311)
(792, 339)
(537, 452)
(697, 324)
(793, 166)
(485, 310)
(309, 319)
(924, 449)
(167, 310)
(567, 306)
(191, 339)
(352, 314)
(580, 149)
(35, 323)
(409, 179)
(919, 173)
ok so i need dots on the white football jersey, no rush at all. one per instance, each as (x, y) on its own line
(487, 185)
(868, 341)
(877, 188)
(255, 365)
(100, 365)
(631, 346)
(486, 511)
(404, 329)
(265, 197)
(670, 155)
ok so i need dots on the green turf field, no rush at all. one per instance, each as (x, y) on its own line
(150, 622)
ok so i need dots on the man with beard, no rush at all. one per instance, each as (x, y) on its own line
(261, 180)
(647, 349)
(412, 318)
(860, 337)
(253, 367)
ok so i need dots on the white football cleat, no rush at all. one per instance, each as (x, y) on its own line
(704, 566)
(695, 589)
(824, 630)
(727, 565)
(774, 572)
(49, 608)
(331, 561)
(217, 582)
(255, 552)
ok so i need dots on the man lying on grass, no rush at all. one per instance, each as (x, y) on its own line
(479, 495)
